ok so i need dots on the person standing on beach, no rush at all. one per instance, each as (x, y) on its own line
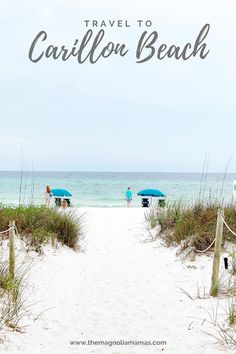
(47, 195)
(128, 197)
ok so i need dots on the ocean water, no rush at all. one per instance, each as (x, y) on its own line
(107, 189)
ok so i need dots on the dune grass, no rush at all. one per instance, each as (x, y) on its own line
(12, 306)
(195, 225)
(36, 226)
(196, 222)
(39, 225)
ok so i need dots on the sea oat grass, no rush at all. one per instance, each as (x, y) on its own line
(40, 225)
(12, 306)
(196, 223)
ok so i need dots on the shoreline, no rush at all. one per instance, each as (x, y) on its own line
(96, 189)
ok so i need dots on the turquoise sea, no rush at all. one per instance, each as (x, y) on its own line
(106, 189)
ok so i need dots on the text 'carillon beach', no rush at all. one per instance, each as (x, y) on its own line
(93, 47)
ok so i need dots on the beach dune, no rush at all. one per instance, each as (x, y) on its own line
(117, 289)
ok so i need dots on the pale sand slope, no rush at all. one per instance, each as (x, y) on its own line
(119, 288)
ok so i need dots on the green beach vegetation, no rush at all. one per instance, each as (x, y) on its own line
(196, 223)
(36, 226)
(40, 225)
(12, 304)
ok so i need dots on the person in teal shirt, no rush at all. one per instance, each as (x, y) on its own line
(128, 197)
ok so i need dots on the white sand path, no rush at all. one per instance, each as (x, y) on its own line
(118, 289)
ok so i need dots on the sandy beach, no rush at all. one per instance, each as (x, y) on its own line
(118, 288)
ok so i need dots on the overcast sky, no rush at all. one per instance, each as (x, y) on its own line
(117, 115)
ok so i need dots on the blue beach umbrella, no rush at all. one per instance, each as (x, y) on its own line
(60, 193)
(151, 193)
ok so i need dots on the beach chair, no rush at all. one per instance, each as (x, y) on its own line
(145, 202)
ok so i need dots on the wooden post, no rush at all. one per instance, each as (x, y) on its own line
(217, 251)
(11, 250)
(192, 254)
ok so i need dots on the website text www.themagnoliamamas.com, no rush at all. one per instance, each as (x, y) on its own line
(111, 343)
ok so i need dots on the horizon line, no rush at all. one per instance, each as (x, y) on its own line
(113, 171)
